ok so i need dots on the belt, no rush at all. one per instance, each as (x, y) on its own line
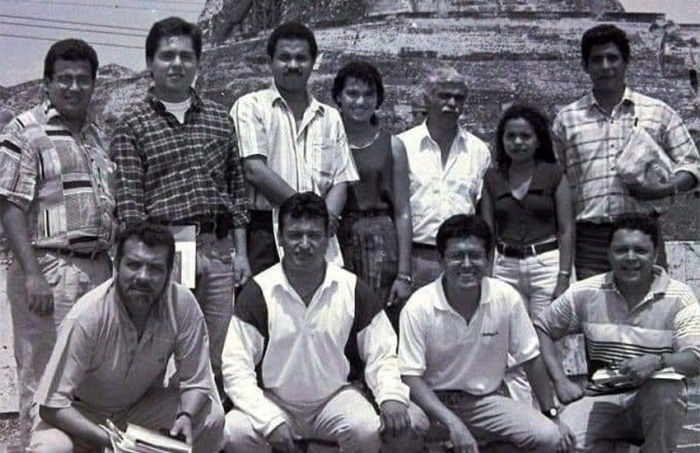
(76, 254)
(418, 245)
(219, 225)
(518, 251)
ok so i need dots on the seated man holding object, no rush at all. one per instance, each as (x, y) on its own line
(110, 358)
(642, 332)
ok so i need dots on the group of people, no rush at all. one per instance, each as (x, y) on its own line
(389, 290)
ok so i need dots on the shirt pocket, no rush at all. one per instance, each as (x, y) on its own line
(323, 166)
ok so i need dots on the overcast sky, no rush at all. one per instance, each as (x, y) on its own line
(35, 24)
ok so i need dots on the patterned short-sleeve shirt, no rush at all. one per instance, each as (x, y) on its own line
(64, 182)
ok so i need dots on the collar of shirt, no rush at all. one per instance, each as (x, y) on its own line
(314, 106)
(330, 282)
(657, 290)
(54, 116)
(440, 302)
(425, 137)
(158, 106)
(628, 97)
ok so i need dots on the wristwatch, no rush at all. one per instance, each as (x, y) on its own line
(551, 413)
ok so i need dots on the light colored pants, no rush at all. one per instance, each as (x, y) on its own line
(497, 419)
(34, 335)
(347, 417)
(156, 410)
(653, 414)
(535, 278)
(214, 292)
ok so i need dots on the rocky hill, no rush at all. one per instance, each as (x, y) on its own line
(509, 50)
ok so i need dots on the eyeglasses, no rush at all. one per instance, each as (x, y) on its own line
(66, 81)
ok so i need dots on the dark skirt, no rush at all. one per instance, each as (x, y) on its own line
(370, 249)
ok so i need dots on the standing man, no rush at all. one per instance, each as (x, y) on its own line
(642, 332)
(457, 335)
(112, 353)
(308, 329)
(446, 168)
(57, 210)
(290, 143)
(588, 136)
(178, 164)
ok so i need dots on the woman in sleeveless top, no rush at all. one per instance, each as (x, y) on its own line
(527, 202)
(375, 229)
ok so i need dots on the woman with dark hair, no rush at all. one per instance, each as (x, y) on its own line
(375, 230)
(527, 202)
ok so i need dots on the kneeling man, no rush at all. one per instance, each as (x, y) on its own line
(455, 337)
(112, 351)
(642, 332)
(303, 330)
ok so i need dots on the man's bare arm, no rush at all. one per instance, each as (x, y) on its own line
(259, 175)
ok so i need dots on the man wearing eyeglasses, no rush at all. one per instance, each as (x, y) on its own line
(56, 208)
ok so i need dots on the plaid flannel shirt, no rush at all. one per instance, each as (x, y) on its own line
(171, 172)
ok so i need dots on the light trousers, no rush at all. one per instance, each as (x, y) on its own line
(34, 335)
(347, 418)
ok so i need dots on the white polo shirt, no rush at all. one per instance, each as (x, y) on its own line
(438, 192)
(437, 344)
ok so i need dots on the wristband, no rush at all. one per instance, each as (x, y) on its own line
(184, 414)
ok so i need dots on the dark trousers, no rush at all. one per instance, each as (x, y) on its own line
(262, 250)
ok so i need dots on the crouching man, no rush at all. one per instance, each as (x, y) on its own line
(642, 333)
(111, 355)
(455, 337)
(303, 330)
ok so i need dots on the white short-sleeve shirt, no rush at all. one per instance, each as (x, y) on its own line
(437, 344)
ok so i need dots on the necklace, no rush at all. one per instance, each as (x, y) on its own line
(364, 144)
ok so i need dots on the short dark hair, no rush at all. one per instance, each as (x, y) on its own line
(306, 205)
(292, 30)
(364, 72)
(462, 226)
(636, 222)
(150, 234)
(601, 35)
(172, 26)
(539, 124)
(70, 50)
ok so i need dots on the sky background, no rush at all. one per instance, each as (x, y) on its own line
(117, 28)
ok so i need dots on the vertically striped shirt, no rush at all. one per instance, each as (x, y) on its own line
(667, 320)
(587, 142)
(64, 182)
(313, 156)
(169, 171)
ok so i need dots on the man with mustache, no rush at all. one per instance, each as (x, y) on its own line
(303, 332)
(178, 164)
(588, 136)
(112, 352)
(290, 142)
(642, 332)
(56, 204)
(446, 168)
